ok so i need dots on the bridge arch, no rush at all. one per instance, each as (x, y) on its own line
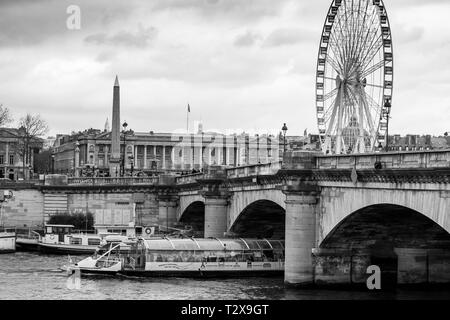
(336, 204)
(194, 215)
(387, 224)
(260, 219)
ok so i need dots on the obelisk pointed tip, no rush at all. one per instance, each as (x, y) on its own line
(116, 83)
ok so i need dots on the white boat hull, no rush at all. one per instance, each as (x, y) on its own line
(7, 242)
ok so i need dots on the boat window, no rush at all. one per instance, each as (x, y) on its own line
(211, 259)
(276, 244)
(93, 242)
(253, 244)
(75, 240)
(268, 254)
(264, 244)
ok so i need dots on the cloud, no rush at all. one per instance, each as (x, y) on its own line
(287, 36)
(141, 38)
(247, 39)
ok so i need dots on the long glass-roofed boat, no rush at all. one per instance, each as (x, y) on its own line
(187, 257)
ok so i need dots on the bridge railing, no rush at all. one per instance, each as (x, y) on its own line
(188, 179)
(390, 160)
(254, 170)
(113, 181)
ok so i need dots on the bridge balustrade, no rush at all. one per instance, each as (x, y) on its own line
(252, 170)
(114, 181)
(391, 160)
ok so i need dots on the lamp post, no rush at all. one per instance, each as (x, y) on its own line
(132, 164)
(387, 112)
(124, 125)
(284, 129)
(53, 164)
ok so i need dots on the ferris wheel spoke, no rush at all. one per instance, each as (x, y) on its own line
(373, 50)
(366, 34)
(330, 94)
(372, 69)
(334, 64)
(374, 85)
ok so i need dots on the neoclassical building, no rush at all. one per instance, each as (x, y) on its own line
(12, 164)
(118, 151)
(162, 152)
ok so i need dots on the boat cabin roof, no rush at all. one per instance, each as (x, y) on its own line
(213, 244)
(60, 225)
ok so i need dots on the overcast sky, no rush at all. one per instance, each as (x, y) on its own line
(240, 64)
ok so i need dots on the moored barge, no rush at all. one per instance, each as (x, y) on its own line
(187, 257)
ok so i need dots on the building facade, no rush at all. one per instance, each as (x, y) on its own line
(152, 153)
(13, 164)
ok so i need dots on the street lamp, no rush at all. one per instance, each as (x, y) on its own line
(132, 164)
(387, 112)
(53, 164)
(284, 129)
(124, 125)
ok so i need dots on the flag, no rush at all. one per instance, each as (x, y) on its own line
(189, 108)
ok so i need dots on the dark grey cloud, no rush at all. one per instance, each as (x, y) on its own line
(28, 22)
(140, 38)
(231, 9)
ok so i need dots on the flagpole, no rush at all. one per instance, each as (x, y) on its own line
(187, 120)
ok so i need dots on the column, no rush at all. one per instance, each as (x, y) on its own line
(215, 217)
(172, 158)
(208, 150)
(164, 158)
(145, 158)
(219, 156)
(167, 210)
(228, 162)
(77, 161)
(154, 156)
(300, 236)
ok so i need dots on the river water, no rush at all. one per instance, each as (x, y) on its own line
(32, 276)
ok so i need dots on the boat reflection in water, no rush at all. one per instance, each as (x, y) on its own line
(189, 257)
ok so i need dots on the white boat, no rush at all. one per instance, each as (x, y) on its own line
(189, 257)
(7, 240)
(60, 239)
(63, 239)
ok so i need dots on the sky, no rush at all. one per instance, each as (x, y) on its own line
(241, 65)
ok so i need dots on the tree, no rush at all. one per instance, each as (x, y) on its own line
(43, 162)
(31, 128)
(80, 221)
(5, 115)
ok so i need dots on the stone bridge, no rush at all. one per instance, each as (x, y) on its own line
(337, 214)
(341, 208)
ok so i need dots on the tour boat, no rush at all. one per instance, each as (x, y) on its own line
(7, 240)
(189, 257)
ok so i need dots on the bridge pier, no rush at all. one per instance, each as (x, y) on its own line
(300, 238)
(167, 210)
(215, 217)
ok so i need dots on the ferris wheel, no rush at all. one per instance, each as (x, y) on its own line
(355, 74)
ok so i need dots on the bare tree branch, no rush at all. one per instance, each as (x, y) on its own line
(5, 116)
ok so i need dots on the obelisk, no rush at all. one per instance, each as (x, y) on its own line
(114, 161)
